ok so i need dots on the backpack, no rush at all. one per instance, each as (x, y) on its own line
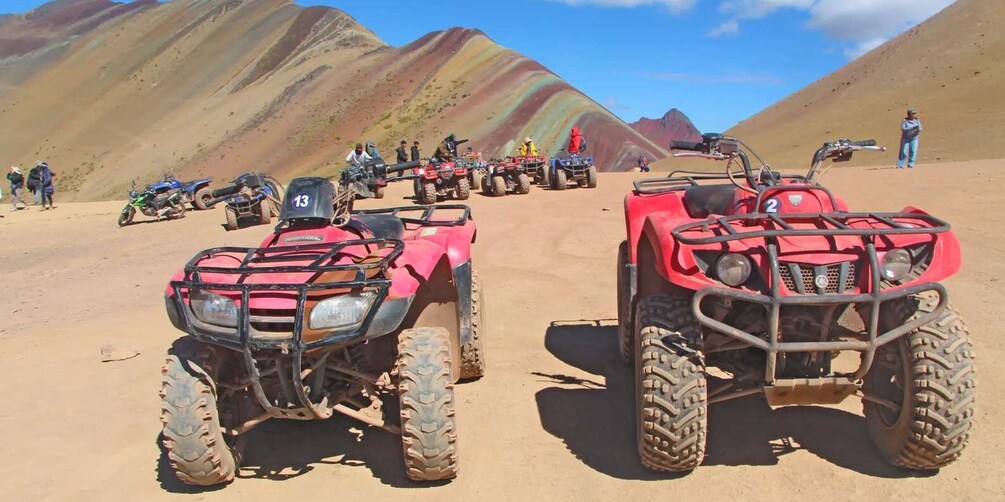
(582, 144)
(17, 179)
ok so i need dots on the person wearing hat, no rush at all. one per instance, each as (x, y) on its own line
(45, 185)
(528, 149)
(16, 187)
(33, 182)
(910, 129)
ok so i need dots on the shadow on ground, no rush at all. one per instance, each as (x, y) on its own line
(282, 449)
(595, 417)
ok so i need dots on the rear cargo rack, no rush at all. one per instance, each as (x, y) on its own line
(425, 219)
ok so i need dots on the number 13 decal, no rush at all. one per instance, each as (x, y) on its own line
(771, 206)
(301, 201)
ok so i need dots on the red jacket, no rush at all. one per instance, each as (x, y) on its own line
(575, 140)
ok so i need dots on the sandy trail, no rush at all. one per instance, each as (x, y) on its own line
(553, 418)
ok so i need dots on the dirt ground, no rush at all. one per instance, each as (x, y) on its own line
(552, 420)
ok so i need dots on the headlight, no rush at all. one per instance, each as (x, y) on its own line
(896, 264)
(421, 171)
(732, 269)
(213, 309)
(341, 311)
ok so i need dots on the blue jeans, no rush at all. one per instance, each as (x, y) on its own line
(908, 151)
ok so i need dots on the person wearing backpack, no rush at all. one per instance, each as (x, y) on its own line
(33, 182)
(577, 143)
(46, 187)
(16, 187)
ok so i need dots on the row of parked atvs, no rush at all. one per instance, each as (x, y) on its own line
(251, 195)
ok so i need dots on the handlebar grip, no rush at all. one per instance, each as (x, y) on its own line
(404, 166)
(226, 191)
(865, 142)
(686, 145)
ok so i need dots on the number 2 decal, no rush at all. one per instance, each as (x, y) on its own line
(301, 200)
(771, 206)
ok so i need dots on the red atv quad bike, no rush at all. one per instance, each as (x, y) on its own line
(512, 174)
(750, 283)
(442, 179)
(372, 314)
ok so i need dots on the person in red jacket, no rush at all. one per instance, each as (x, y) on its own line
(575, 141)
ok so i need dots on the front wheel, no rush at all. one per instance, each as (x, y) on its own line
(265, 212)
(522, 183)
(203, 198)
(671, 398)
(426, 392)
(127, 215)
(428, 192)
(625, 339)
(561, 180)
(231, 215)
(498, 186)
(194, 440)
(927, 379)
(486, 187)
(591, 177)
(473, 352)
(463, 189)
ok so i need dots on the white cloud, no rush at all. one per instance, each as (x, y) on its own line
(710, 78)
(612, 103)
(865, 20)
(864, 47)
(727, 28)
(675, 6)
(751, 9)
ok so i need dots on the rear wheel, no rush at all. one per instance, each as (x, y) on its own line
(671, 399)
(202, 198)
(523, 183)
(498, 186)
(127, 215)
(231, 214)
(463, 189)
(428, 192)
(426, 391)
(476, 179)
(194, 440)
(473, 352)
(591, 177)
(928, 379)
(560, 179)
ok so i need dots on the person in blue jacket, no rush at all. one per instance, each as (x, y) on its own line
(46, 186)
(910, 129)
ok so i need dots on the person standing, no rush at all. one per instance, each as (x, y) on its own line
(910, 129)
(401, 153)
(16, 187)
(357, 157)
(46, 186)
(33, 182)
(415, 151)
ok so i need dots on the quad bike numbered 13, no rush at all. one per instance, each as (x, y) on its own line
(371, 314)
(167, 204)
(250, 196)
(753, 283)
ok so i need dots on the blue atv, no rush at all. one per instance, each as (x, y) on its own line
(195, 192)
(575, 167)
(251, 194)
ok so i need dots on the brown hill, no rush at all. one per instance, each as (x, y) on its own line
(951, 68)
(673, 126)
(107, 92)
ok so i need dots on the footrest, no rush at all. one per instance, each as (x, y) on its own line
(801, 391)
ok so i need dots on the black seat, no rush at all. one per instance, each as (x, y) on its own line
(703, 201)
(380, 226)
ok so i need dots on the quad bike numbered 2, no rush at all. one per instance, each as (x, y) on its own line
(511, 175)
(574, 168)
(371, 314)
(753, 283)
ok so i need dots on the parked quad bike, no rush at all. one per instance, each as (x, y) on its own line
(254, 195)
(762, 276)
(512, 174)
(571, 168)
(372, 314)
(437, 180)
(196, 192)
(167, 204)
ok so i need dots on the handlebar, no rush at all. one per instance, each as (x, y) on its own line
(687, 145)
(864, 143)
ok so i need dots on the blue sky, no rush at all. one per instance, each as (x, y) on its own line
(719, 61)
